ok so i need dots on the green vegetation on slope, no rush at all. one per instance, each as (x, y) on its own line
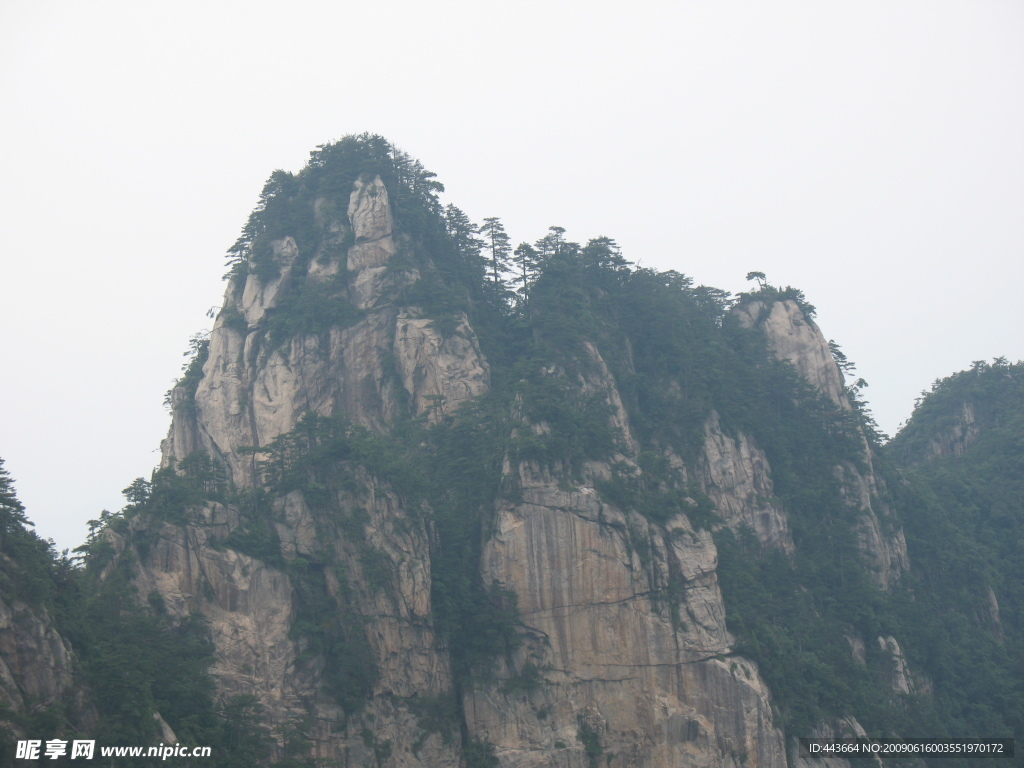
(963, 515)
(546, 315)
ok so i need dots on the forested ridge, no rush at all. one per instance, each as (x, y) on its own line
(678, 353)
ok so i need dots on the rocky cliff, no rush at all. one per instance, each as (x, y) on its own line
(37, 670)
(383, 448)
(795, 338)
(40, 680)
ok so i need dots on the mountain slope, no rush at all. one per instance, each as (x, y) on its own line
(424, 510)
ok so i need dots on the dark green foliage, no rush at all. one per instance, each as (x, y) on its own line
(335, 633)
(677, 355)
(318, 443)
(171, 493)
(994, 394)
(793, 618)
(436, 714)
(963, 517)
(477, 620)
(459, 478)
(381, 749)
(256, 536)
(560, 310)
(246, 741)
(135, 663)
(964, 523)
(310, 308)
(591, 741)
(479, 754)
(438, 242)
(656, 492)
(377, 567)
(769, 294)
(499, 251)
(182, 395)
(526, 268)
(575, 428)
(28, 566)
(853, 394)
(528, 679)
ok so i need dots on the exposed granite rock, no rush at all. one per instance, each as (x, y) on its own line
(735, 474)
(841, 728)
(438, 371)
(623, 617)
(881, 541)
(899, 674)
(37, 668)
(626, 620)
(369, 212)
(957, 438)
(251, 607)
(259, 297)
(390, 362)
(795, 338)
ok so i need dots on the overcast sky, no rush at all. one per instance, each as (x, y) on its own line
(869, 153)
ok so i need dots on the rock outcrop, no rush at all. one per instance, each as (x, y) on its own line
(959, 436)
(413, 546)
(735, 474)
(622, 617)
(37, 669)
(626, 622)
(796, 339)
(369, 562)
(36, 666)
(625, 659)
(625, 619)
(255, 386)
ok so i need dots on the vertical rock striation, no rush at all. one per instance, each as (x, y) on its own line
(370, 553)
(256, 387)
(625, 621)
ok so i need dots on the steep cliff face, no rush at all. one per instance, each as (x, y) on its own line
(963, 433)
(364, 555)
(794, 337)
(583, 497)
(736, 475)
(255, 386)
(36, 664)
(334, 633)
(40, 687)
(624, 619)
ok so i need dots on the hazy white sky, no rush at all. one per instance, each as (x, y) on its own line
(870, 153)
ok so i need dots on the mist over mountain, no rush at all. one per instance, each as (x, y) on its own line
(433, 498)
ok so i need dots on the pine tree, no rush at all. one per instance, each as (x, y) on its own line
(12, 513)
(463, 232)
(603, 261)
(527, 266)
(552, 244)
(499, 244)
